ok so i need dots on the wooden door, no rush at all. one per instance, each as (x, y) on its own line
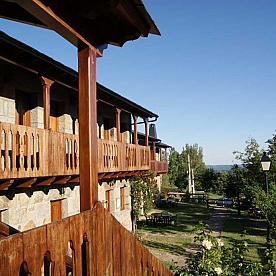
(56, 210)
(54, 116)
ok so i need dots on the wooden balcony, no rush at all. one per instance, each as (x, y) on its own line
(122, 157)
(159, 167)
(28, 152)
(92, 243)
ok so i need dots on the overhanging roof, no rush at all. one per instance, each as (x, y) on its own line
(84, 22)
(20, 54)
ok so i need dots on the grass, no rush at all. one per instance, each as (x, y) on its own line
(255, 235)
(176, 238)
(173, 238)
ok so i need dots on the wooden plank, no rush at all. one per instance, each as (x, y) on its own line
(116, 249)
(76, 231)
(89, 232)
(11, 255)
(109, 222)
(34, 249)
(57, 243)
(99, 239)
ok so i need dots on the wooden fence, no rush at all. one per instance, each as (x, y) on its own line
(90, 243)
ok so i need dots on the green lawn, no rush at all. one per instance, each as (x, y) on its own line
(255, 235)
(176, 238)
(173, 238)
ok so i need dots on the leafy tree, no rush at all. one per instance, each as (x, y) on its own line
(208, 179)
(173, 166)
(251, 175)
(196, 158)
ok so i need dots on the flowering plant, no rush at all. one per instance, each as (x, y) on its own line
(213, 259)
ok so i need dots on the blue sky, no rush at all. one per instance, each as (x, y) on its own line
(210, 76)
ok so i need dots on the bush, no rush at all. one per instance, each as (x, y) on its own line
(213, 259)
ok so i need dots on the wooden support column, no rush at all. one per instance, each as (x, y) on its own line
(46, 83)
(118, 123)
(153, 151)
(88, 129)
(135, 138)
(146, 132)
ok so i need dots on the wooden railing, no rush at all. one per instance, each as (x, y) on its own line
(90, 243)
(159, 167)
(33, 152)
(116, 156)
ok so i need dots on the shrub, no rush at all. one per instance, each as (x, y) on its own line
(213, 259)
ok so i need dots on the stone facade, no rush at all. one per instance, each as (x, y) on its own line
(32, 207)
(26, 208)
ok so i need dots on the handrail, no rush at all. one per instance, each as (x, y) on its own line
(90, 243)
(34, 152)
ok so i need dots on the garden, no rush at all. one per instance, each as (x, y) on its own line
(189, 246)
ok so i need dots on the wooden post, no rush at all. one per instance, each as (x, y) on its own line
(46, 83)
(146, 132)
(135, 138)
(118, 123)
(88, 129)
(153, 157)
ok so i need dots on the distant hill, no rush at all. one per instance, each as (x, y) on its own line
(220, 168)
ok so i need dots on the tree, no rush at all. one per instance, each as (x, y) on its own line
(173, 165)
(251, 174)
(178, 166)
(196, 157)
(208, 179)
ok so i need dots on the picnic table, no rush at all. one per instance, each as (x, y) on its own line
(161, 218)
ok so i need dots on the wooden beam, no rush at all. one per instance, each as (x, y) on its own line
(101, 175)
(116, 175)
(46, 83)
(25, 183)
(74, 179)
(54, 22)
(4, 185)
(62, 180)
(45, 181)
(88, 142)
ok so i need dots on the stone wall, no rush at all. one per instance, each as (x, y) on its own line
(114, 204)
(32, 208)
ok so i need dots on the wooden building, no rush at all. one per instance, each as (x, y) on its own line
(67, 146)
